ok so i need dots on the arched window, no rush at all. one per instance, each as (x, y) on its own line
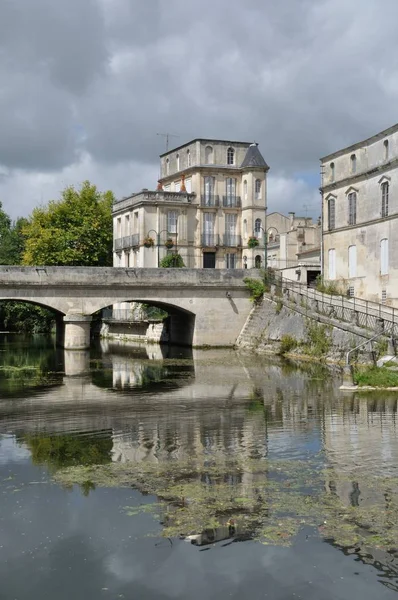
(271, 237)
(332, 171)
(245, 189)
(257, 227)
(258, 189)
(386, 150)
(245, 228)
(352, 208)
(353, 163)
(384, 198)
(188, 158)
(230, 156)
(178, 162)
(209, 155)
(257, 262)
(167, 166)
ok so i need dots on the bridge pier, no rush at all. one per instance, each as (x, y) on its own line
(77, 332)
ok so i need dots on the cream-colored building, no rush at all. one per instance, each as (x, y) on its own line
(210, 199)
(294, 246)
(360, 217)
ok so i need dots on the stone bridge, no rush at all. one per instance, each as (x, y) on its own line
(207, 307)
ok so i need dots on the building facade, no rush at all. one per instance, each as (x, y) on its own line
(210, 201)
(360, 218)
(294, 246)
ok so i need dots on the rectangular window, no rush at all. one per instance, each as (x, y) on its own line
(230, 189)
(209, 188)
(177, 186)
(188, 184)
(127, 225)
(383, 296)
(230, 261)
(167, 188)
(119, 227)
(230, 224)
(384, 199)
(351, 291)
(172, 221)
(352, 208)
(332, 264)
(352, 261)
(208, 229)
(384, 257)
(331, 213)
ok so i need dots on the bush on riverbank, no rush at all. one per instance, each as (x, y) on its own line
(376, 377)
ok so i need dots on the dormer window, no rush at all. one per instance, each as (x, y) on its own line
(353, 163)
(178, 162)
(230, 156)
(332, 171)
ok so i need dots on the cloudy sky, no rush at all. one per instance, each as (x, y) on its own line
(85, 86)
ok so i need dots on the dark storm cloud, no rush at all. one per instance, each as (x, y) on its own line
(100, 78)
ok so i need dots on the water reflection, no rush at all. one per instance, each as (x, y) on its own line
(230, 448)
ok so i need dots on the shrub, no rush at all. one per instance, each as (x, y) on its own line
(318, 338)
(279, 306)
(172, 261)
(257, 288)
(288, 343)
(253, 242)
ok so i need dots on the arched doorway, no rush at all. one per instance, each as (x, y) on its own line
(257, 262)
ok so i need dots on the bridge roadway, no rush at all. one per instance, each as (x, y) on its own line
(207, 307)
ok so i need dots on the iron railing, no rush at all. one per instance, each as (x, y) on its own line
(128, 241)
(210, 240)
(209, 200)
(232, 240)
(231, 201)
(362, 313)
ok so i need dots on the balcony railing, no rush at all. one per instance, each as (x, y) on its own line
(231, 201)
(210, 240)
(129, 241)
(232, 240)
(209, 200)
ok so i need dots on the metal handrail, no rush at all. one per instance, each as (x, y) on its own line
(347, 358)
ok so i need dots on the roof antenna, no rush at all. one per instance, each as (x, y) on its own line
(167, 136)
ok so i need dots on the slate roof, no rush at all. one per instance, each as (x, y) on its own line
(254, 158)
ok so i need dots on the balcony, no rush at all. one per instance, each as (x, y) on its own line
(209, 200)
(129, 241)
(210, 240)
(232, 241)
(231, 201)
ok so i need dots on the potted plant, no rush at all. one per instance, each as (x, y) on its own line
(149, 242)
(253, 242)
(169, 243)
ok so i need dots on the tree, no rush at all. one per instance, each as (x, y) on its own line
(76, 230)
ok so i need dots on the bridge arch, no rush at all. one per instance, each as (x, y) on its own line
(180, 323)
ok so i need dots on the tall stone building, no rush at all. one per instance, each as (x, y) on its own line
(209, 204)
(360, 217)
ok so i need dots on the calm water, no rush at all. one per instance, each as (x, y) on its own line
(143, 473)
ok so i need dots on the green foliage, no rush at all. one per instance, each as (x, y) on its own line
(22, 317)
(319, 339)
(60, 451)
(256, 287)
(172, 261)
(253, 242)
(327, 287)
(380, 348)
(279, 306)
(76, 230)
(288, 343)
(155, 313)
(376, 376)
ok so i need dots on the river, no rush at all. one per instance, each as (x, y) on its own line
(156, 473)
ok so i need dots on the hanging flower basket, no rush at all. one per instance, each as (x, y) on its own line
(253, 242)
(149, 242)
(169, 243)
